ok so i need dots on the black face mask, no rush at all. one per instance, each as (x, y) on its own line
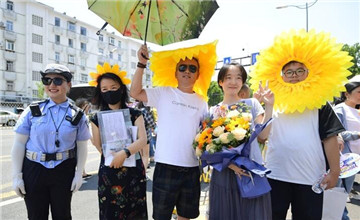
(112, 97)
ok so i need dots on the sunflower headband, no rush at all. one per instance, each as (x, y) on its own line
(101, 70)
(163, 64)
(326, 63)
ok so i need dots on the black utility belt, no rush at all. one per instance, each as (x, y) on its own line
(43, 157)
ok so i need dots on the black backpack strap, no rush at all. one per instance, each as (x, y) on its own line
(77, 116)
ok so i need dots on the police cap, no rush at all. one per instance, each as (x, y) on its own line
(57, 69)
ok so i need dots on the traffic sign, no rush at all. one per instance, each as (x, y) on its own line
(253, 57)
(227, 60)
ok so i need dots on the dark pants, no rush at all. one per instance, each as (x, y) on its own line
(175, 186)
(305, 204)
(48, 187)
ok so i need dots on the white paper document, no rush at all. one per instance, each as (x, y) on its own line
(116, 133)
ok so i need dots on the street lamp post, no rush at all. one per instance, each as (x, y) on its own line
(306, 7)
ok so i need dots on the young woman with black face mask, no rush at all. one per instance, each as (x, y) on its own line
(121, 190)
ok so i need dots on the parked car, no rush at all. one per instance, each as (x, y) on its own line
(8, 118)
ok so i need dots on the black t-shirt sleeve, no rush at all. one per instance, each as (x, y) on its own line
(94, 119)
(134, 113)
(329, 123)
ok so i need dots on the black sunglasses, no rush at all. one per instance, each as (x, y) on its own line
(57, 81)
(183, 67)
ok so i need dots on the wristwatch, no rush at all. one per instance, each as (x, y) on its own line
(128, 154)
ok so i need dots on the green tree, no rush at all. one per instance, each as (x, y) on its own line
(41, 90)
(214, 93)
(354, 51)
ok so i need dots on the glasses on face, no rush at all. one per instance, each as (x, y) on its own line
(183, 67)
(298, 72)
(57, 81)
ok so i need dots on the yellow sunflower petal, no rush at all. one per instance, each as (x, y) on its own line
(126, 81)
(163, 64)
(93, 83)
(100, 69)
(107, 68)
(115, 68)
(326, 62)
(93, 75)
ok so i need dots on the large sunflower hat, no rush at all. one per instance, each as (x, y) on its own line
(326, 63)
(107, 68)
(163, 64)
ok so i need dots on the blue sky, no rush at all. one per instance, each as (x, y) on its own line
(247, 26)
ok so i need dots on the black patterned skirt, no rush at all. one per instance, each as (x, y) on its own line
(122, 192)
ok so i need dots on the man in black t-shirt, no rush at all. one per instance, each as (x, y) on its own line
(302, 146)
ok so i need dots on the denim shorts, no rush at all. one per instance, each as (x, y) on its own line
(175, 186)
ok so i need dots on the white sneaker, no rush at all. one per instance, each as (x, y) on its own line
(348, 199)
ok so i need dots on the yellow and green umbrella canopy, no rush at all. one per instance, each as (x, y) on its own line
(170, 21)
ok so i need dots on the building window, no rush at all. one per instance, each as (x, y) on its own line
(10, 85)
(71, 26)
(101, 37)
(37, 20)
(57, 39)
(133, 52)
(111, 55)
(83, 47)
(37, 39)
(119, 57)
(101, 51)
(71, 59)
(83, 31)
(10, 45)
(119, 44)
(57, 22)
(57, 57)
(111, 41)
(35, 93)
(10, 66)
(9, 26)
(83, 62)
(133, 65)
(71, 43)
(83, 78)
(10, 5)
(36, 75)
(37, 57)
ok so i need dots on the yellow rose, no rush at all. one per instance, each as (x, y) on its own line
(232, 113)
(239, 133)
(224, 138)
(218, 131)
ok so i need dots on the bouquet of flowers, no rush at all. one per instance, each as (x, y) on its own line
(224, 138)
(227, 127)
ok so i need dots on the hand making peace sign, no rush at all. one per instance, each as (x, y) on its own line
(264, 94)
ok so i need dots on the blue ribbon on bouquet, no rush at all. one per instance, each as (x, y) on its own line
(250, 187)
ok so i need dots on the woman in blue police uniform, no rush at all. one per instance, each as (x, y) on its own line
(50, 149)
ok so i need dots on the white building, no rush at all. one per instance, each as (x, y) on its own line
(33, 34)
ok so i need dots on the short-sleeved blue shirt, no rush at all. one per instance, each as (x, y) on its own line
(42, 130)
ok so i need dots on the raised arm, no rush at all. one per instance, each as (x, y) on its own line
(136, 90)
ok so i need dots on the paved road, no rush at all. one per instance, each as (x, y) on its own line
(84, 203)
